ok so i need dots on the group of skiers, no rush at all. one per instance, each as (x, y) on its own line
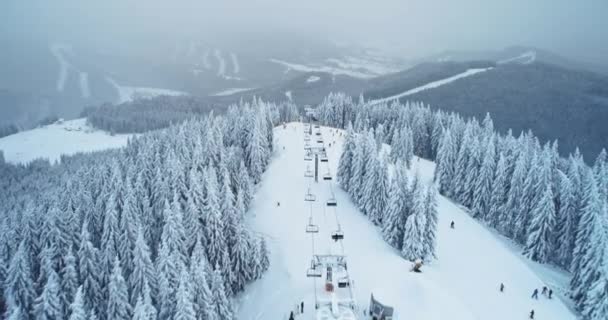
(299, 310)
(546, 292)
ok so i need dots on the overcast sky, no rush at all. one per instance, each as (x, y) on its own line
(577, 29)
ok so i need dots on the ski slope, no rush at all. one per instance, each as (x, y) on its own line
(54, 140)
(431, 85)
(462, 284)
(127, 93)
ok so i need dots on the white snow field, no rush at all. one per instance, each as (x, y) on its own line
(54, 140)
(431, 85)
(524, 58)
(58, 50)
(235, 63)
(462, 284)
(231, 91)
(313, 79)
(323, 68)
(127, 93)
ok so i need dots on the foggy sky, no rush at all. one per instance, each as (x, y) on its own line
(576, 29)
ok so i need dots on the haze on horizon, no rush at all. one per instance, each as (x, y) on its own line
(413, 28)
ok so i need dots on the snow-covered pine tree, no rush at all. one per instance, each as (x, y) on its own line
(595, 305)
(529, 194)
(143, 273)
(90, 273)
(446, 161)
(118, 296)
(346, 159)
(541, 241)
(586, 263)
(221, 303)
(184, 309)
(244, 185)
(413, 239)
(497, 215)
(69, 281)
(407, 145)
(516, 194)
(168, 277)
(256, 151)
(432, 218)
(239, 255)
(472, 171)
(392, 226)
(355, 182)
(201, 294)
(376, 190)
(214, 227)
(396, 145)
(48, 305)
(18, 286)
(483, 182)
(564, 222)
(77, 308)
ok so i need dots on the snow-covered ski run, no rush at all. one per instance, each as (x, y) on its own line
(463, 283)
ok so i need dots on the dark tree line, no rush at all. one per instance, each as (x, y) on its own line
(151, 231)
(555, 208)
(142, 115)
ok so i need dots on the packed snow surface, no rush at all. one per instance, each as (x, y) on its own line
(432, 85)
(323, 68)
(61, 138)
(231, 91)
(127, 93)
(524, 58)
(313, 79)
(462, 284)
(59, 50)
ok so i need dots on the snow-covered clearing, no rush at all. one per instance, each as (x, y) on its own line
(231, 91)
(370, 65)
(52, 141)
(59, 50)
(235, 63)
(462, 284)
(221, 70)
(84, 84)
(323, 68)
(126, 93)
(313, 79)
(431, 85)
(524, 58)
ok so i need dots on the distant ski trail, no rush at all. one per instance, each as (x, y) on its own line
(221, 70)
(84, 85)
(235, 63)
(430, 85)
(58, 50)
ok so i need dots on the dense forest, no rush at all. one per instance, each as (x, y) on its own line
(151, 231)
(555, 208)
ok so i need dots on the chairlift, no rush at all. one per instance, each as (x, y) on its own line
(318, 133)
(313, 272)
(309, 196)
(311, 228)
(332, 202)
(327, 176)
(324, 159)
(337, 235)
(308, 156)
(319, 140)
(308, 173)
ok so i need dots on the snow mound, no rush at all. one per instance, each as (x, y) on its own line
(313, 79)
(462, 284)
(431, 85)
(61, 138)
(127, 93)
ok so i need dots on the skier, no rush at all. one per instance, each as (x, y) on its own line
(278, 204)
(532, 314)
(544, 291)
(502, 287)
(550, 293)
(302, 307)
(452, 224)
(535, 294)
(291, 316)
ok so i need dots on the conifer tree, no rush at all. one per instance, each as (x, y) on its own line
(118, 296)
(184, 309)
(430, 233)
(346, 159)
(78, 310)
(90, 273)
(446, 161)
(69, 281)
(497, 215)
(143, 270)
(483, 183)
(48, 305)
(18, 286)
(565, 222)
(222, 304)
(413, 240)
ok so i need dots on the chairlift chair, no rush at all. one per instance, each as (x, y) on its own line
(324, 159)
(332, 202)
(319, 140)
(313, 272)
(308, 173)
(311, 228)
(337, 235)
(309, 196)
(327, 176)
(308, 156)
(318, 133)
